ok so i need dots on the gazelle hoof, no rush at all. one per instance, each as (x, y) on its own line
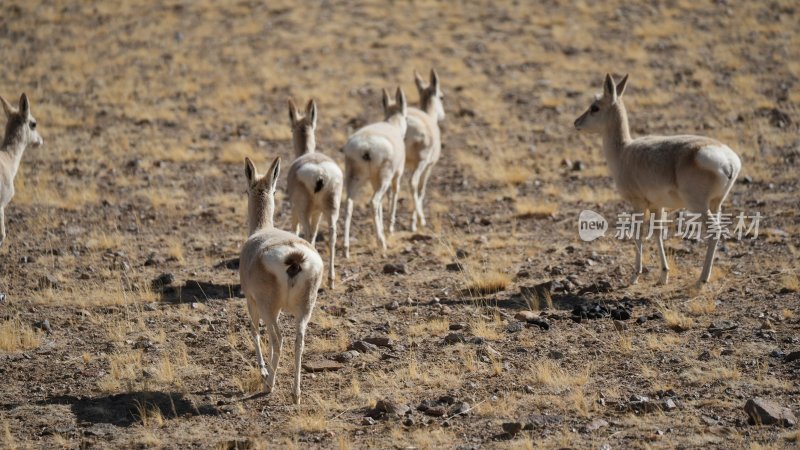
(634, 279)
(264, 373)
(664, 277)
(296, 398)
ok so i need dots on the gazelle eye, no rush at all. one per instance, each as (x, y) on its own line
(594, 108)
(33, 125)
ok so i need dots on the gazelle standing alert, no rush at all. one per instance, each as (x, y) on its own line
(278, 272)
(657, 172)
(376, 154)
(20, 132)
(315, 183)
(423, 140)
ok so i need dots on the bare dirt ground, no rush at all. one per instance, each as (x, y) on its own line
(148, 108)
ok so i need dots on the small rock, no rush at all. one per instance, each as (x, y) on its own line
(363, 347)
(512, 428)
(455, 267)
(43, 325)
(595, 425)
(555, 354)
(393, 269)
(408, 421)
(526, 316)
(461, 254)
(347, 356)
(393, 305)
(515, 327)
(641, 320)
(323, 365)
(458, 326)
(459, 409)
(162, 281)
(764, 412)
(577, 166)
(380, 341)
(368, 421)
(620, 325)
(454, 338)
(791, 357)
(49, 282)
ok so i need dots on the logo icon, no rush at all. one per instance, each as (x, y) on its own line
(591, 225)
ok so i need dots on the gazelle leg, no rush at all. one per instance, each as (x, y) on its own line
(661, 253)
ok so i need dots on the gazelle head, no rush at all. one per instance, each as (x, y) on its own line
(21, 126)
(261, 194)
(396, 111)
(431, 97)
(303, 127)
(603, 107)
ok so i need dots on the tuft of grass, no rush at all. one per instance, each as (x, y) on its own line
(534, 210)
(250, 382)
(433, 327)
(486, 329)
(148, 414)
(125, 368)
(307, 422)
(17, 336)
(702, 306)
(486, 283)
(548, 373)
(677, 321)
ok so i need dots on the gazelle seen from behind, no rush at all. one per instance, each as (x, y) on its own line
(657, 172)
(423, 140)
(315, 183)
(376, 154)
(20, 132)
(278, 272)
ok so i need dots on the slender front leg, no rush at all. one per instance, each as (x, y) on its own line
(334, 217)
(347, 216)
(711, 251)
(423, 186)
(661, 253)
(393, 199)
(252, 309)
(275, 346)
(315, 227)
(2, 225)
(377, 212)
(299, 344)
(415, 190)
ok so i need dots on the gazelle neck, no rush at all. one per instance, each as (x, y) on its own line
(617, 134)
(261, 207)
(304, 142)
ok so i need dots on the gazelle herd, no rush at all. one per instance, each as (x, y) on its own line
(279, 271)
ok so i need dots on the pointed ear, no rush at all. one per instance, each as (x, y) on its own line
(434, 80)
(419, 82)
(24, 105)
(400, 98)
(293, 113)
(250, 171)
(7, 108)
(274, 172)
(621, 85)
(609, 88)
(385, 99)
(311, 112)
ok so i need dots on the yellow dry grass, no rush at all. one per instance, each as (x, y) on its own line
(18, 336)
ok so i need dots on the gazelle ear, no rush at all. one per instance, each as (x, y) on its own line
(385, 99)
(434, 80)
(419, 81)
(7, 108)
(400, 98)
(311, 112)
(609, 88)
(294, 115)
(621, 85)
(274, 172)
(250, 171)
(24, 105)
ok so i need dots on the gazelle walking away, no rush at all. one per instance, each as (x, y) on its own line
(376, 154)
(315, 183)
(278, 272)
(423, 140)
(20, 132)
(657, 172)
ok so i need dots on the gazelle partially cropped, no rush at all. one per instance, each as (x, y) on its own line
(376, 154)
(278, 272)
(657, 172)
(423, 140)
(315, 183)
(21, 132)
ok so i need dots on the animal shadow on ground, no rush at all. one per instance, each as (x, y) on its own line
(124, 410)
(199, 291)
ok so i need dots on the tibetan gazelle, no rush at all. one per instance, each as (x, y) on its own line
(658, 172)
(278, 272)
(376, 154)
(315, 183)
